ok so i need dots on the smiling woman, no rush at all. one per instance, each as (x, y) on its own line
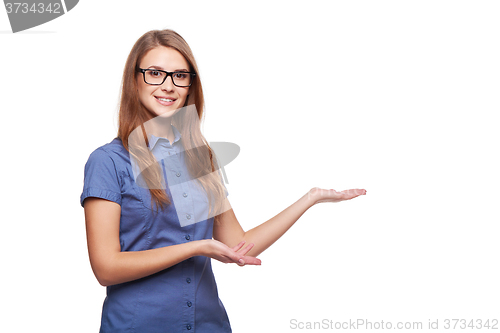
(142, 247)
(145, 242)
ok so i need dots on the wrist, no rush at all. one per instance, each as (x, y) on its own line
(312, 196)
(200, 247)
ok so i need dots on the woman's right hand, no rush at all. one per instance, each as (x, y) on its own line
(223, 253)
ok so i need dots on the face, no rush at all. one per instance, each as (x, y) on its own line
(163, 100)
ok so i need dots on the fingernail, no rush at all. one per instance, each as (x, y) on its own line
(241, 261)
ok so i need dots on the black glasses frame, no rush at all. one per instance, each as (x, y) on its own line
(143, 71)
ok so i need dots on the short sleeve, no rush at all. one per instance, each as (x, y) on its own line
(101, 179)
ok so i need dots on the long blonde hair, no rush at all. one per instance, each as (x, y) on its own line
(199, 157)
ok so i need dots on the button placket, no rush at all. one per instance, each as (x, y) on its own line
(180, 189)
(189, 288)
(185, 196)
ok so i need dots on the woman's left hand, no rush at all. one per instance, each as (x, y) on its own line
(318, 195)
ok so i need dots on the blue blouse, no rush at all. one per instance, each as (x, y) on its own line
(181, 298)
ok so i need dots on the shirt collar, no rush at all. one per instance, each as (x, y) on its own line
(153, 140)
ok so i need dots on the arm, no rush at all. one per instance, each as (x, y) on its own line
(111, 266)
(229, 231)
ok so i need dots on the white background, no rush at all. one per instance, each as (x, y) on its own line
(397, 97)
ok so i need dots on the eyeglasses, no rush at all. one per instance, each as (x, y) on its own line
(156, 77)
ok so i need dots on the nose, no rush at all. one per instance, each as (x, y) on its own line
(168, 85)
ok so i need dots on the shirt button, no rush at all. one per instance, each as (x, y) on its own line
(178, 174)
(188, 326)
(189, 304)
(188, 237)
(185, 195)
(188, 216)
(188, 280)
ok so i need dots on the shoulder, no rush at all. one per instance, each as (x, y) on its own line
(114, 151)
(111, 157)
(113, 147)
(103, 174)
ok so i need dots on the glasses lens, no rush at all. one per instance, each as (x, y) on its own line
(154, 77)
(182, 79)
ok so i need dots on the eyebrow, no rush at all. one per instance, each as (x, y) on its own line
(161, 68)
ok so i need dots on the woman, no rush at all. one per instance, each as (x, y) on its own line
(149, 241)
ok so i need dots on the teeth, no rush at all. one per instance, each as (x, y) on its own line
(166, 99)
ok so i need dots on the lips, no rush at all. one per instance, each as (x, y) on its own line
(165, 100)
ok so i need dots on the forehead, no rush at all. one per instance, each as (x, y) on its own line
(165, 57)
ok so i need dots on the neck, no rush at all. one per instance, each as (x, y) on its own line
(160, 127)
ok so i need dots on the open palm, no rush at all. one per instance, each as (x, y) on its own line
(318, 195)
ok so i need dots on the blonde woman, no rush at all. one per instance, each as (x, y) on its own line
(155, 207)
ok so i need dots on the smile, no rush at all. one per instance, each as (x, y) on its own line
(165, 101)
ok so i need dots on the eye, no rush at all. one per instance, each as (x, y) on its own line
(181, 76)
(155, 73)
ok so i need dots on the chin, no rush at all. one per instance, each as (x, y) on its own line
(167, 113)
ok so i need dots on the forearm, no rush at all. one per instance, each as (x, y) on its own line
(265, 234)
(131, 265)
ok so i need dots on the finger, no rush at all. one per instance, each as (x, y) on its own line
(236, 258)
(246, 249)
(359, 192)
(353, 193)
(252, 260)
(239, 246)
